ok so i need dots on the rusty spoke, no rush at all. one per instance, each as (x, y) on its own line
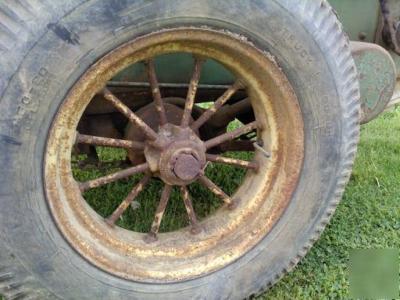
(91, 184)
(155, 227)
(132, 117)
(190, 211)
(215, 189)
(128, 200)
(231, 135)
(232, 161)
(108, 142)
(217, 105)
(194, 83)
(155, 90)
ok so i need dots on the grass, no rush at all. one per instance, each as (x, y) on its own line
(106, 199)
(367, 217)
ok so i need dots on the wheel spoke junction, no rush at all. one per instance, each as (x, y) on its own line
(175, 153)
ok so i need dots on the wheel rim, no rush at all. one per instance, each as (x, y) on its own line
(177, 156)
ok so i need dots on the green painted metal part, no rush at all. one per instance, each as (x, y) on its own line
(359, 17)
(361, 20)
(178, 68)
(377, 76)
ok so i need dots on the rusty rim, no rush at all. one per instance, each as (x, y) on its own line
(176, 155)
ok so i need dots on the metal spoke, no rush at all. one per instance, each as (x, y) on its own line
(132, 117)
(215, 189)
(91, 184)
(232, 161)
(217, 105)
(190, 211)
(231, 135)
(155, 90)
(194, 83)
(108, 142)
(128, 200)
(155, 227)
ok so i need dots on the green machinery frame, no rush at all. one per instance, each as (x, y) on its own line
(361, 20)
(375, 44)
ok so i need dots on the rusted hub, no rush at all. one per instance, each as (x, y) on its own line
(174, 115)
(187, 167)
(180, 159)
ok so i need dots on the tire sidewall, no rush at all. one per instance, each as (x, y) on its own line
(55, 63)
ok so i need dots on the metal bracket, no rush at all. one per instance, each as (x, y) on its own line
(262, 150)
(377, 76)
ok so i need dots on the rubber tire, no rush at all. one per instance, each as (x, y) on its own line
(46, 45)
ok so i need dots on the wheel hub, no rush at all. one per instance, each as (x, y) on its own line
(181, 157)
(147, 113)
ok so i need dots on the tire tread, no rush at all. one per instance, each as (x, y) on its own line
(326, 24)
(15, 282)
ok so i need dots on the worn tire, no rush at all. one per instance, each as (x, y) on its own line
(46, 46)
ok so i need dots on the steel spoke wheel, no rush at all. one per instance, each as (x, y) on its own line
(174, 152)
(190, 149)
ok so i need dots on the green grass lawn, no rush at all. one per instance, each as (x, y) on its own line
(106, 199)
(368, 216)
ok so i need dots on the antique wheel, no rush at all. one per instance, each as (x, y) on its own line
(216, 195)
(175, 152)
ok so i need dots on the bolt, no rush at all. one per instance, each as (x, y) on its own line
(195, 230)
(362, 36)
(187, 167)
(150, 238)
